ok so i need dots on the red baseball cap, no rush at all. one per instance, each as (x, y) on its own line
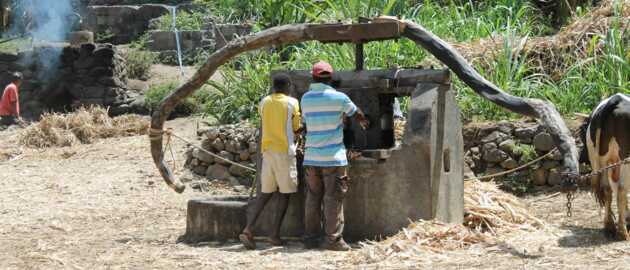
(322, 69)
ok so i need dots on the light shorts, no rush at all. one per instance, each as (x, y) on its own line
(279, 172)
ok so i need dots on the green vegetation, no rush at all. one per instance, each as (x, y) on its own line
(603, 72)
(104, 36)
(184, 21)
(139, 63)
(191, 105)
(15, 45)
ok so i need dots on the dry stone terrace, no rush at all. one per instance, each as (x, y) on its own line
(496, 147)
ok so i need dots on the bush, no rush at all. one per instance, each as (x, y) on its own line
(190, 105)
(184, 21)
(139, 63)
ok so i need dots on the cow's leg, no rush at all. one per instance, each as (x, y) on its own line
(622, 203)
(609, 219)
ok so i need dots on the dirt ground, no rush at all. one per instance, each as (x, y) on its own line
(104, 206)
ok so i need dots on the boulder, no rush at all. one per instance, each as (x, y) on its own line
(543, 142)
(218, 145)
(495, 136)
(203, 156)
(206, 144)
(539, 177)
(554, 177)
(550, 164)
(212, 134)
(239, 171)
(495, 156)
(226, 155)
(505, 126)
(487, 147)
(508, 146)
(200, 170)
(252, 145)
(232, 146)
(525, 135)
(509, 164)
(218, 171)
(244, 155)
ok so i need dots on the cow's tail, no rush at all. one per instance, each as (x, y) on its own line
(598, 190)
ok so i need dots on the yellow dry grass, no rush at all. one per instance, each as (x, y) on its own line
(84, 125)
(489, 212)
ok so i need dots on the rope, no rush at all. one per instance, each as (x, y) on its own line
(156, 134)
(515, 169)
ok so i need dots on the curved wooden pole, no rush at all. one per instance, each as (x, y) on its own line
(289, 34)
(286, 34)
(543, 110)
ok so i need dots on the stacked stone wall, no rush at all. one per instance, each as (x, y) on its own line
(62, 78)
(495, 147)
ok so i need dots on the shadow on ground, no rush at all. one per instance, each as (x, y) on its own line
(581, 237)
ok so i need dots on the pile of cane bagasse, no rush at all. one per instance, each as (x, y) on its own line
(83, 125)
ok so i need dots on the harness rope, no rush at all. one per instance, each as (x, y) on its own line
(515, 169)
(156, 134)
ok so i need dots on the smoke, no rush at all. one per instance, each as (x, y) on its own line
(48, 20)
(45, 22)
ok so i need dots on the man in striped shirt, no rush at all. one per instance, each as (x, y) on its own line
(325, 160)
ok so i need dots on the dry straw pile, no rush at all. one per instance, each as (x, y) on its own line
(553, 55)
(489, 212)
(84, 125)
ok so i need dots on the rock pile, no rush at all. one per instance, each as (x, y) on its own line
(496, 147)
(236, 143)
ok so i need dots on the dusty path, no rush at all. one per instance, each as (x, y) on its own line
(103, 206)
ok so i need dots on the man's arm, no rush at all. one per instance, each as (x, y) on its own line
(360, 117)
(351, 110)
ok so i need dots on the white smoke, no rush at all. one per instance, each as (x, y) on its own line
(48, 20)
(44, 21)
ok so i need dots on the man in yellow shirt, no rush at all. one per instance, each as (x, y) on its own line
(280, 116)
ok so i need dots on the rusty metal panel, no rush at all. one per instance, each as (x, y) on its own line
(355, 33)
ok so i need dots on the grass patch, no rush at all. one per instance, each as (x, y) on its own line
(139, 63)
(190, 105)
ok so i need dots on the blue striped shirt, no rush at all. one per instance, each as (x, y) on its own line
(323, 109)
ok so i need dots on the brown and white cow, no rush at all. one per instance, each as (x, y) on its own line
(606, 137)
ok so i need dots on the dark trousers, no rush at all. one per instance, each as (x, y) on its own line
(327, 184)
(7, 120)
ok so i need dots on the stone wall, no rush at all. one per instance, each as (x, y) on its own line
(233, 142)
(125, 23)
(496, 147)
(192, 43)
(69, 76)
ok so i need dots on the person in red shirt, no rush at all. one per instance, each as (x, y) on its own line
(10, 102)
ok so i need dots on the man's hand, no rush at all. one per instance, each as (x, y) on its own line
(363, 121)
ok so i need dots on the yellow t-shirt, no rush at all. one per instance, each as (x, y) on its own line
(280, 115)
